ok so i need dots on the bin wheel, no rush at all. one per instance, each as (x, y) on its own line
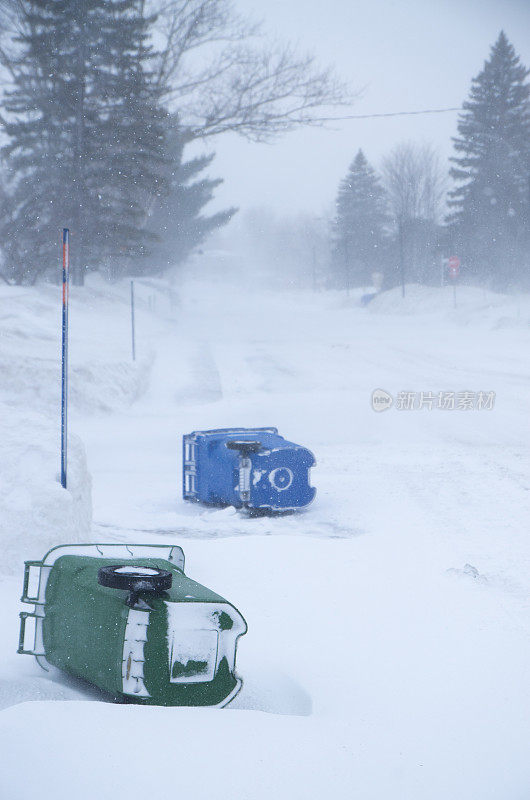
(135, 578)
(243, 446)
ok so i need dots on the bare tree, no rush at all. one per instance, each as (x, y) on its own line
(221, 76)
(416, 186)
(415, 182)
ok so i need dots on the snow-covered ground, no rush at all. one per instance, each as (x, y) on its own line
(388, 648)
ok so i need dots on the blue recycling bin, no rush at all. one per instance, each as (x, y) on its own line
(254, 468)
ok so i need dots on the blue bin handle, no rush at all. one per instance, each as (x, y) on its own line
(244, 447)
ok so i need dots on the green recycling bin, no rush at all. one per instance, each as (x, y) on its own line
(128, 620)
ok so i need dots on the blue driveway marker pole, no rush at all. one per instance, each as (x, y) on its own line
(64, 380)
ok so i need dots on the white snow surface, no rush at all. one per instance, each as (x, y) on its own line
(36, 513)
(388, 649)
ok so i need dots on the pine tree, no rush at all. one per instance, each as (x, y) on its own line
(358, 228)
(133, 134)
(491, 205)
(176, 223)
(86, 133)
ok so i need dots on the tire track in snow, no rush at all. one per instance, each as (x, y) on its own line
(204, 381)
(235, 524)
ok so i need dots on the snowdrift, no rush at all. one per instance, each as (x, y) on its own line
(473, 304)
(36, 512)
(102, 376)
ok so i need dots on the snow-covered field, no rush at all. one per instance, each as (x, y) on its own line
(388, 650)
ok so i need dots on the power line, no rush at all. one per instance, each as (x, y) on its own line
(394, 114)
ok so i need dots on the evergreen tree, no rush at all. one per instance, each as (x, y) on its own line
(490, 206)
(86, 133)
(132, 127)
(176, 223)
(358, 228)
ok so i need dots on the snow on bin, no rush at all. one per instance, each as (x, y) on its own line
(254, 468)
(128, 620)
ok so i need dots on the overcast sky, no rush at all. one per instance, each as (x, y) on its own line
(407, 54)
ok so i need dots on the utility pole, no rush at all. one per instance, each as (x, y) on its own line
(314, 268)
(132, 323)
(402, 256)
(347, 265)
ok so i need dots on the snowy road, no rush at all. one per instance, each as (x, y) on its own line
(310, 368)
(389, 668)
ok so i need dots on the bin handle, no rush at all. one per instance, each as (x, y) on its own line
(22, 635)
(245, 447)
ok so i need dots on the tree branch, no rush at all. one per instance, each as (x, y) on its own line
(218, 79)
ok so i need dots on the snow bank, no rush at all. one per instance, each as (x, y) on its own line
(102, 376)
(37, 513)
(94, 386)
(472, 305)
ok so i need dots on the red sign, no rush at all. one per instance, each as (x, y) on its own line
(454, 266)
